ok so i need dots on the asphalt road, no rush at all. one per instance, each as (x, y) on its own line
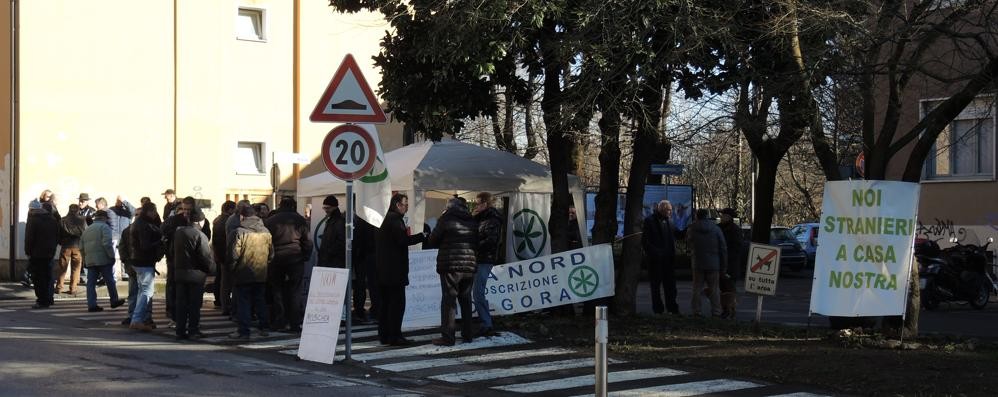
(792, 301)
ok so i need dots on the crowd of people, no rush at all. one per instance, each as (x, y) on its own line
(258, 260)
(713, 253)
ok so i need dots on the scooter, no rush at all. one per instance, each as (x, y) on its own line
(958, 273)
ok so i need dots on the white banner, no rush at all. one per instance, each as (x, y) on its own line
(320, 330)
(527, 235)
(568, 277)
(374, 190)
(865, 248)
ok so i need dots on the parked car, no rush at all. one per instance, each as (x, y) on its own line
(807, 235)
(792, 254)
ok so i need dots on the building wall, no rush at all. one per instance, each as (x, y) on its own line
(6, 94)
(122, 97)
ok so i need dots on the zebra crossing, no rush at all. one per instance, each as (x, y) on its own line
(508, 364)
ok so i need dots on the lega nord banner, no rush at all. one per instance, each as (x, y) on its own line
(865, 248)
(527, 234)
(553, 280)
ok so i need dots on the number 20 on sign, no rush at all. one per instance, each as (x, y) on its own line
(348, 151)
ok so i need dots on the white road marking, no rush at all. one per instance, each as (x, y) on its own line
(686, 389)
(800, 394)
(590, 380)
(488, 357)
(507, 339)
(492, 373)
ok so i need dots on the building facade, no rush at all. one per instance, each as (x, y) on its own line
(129, 98)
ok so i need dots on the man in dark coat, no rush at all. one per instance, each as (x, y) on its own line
(86, 211)
(41, 236)
(710, 259)
(392, 263)
(251, 250)
(145, 241)
(186, 207)
(222, 296)
(659, 241)
(231, 224)
(487, 255)
(171, 203)
(456, 237)
(333, 247)
(71, 227)
(292, 247)
(733, 238)
(192, 265)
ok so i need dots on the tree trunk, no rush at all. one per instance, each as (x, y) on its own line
(605, 224)
(528, 123)
(508, 141)
(765, 189)
(645, 140)
(559, 146)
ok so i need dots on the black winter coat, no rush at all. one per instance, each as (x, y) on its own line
(41, 234)
(146, 242)
(392, 256)
(333, 248)
(218, 244)
(658, 242)
(192, 261)
(489, 235)
(456, 235)
(71, 227)
(289, 231)
(363, 244)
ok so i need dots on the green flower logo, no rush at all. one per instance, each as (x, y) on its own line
(377, 173)
(530, 235)
(583, 281)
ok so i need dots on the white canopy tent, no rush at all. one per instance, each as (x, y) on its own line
(432, 172)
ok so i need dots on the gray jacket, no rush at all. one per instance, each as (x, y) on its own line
(95, 244)
(710, 253)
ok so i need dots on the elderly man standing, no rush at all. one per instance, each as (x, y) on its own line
(456, 236)
(392, 263)
(98, 257)
(658, 238)
(710, 258)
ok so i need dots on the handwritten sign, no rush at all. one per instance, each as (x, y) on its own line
(321, 327)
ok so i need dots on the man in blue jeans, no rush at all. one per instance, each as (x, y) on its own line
(489, 233)
(251, 249)
(144, 241)
(98, 257)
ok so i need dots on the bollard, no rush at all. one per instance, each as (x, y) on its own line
(601, 340)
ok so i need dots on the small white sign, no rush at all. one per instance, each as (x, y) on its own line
(291, 157)
(763, 269)
(321, 327)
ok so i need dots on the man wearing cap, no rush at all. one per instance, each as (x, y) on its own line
(332, 248)
(98, 256)
(86, 211)
(171, 203)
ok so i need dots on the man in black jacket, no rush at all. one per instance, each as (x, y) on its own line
(333, 248)
(222, 295)
(145, 240)
(456, 236)
(392, 262)
(192, 265)
(41, 236)
(489, 235)
(71, 227)
(659, 241)
(364, 273)
(292, 247)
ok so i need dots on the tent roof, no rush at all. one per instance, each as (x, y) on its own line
(448, 165)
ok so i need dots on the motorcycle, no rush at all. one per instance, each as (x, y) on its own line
(963, 272)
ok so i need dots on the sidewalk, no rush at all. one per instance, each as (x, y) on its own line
(16, 291)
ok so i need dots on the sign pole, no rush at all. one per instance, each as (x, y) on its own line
(758, 310)
(349, 259)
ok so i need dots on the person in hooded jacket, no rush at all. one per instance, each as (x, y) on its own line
(710, 258)
(98, 257)
(41, 236)
(392, 263)
(456, 236)
(71, 227)
(145, 242)
(292, 247)
(251, 250)
(192, 264)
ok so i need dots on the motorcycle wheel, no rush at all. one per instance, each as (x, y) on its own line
(982, 296)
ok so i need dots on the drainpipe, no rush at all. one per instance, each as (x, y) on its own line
(14, 131)
(296, 93)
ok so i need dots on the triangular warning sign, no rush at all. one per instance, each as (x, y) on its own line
(348, 98)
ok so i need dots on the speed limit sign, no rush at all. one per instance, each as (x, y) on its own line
(348, 151)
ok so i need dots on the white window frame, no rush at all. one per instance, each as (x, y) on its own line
(261, 162)
(966, 114)
(262, 12)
